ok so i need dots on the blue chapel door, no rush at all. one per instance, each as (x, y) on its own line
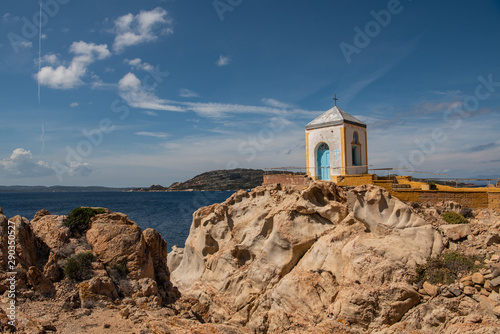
(323, 155)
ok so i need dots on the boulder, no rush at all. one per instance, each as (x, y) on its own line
(40, 214)
(456, 231)
(115, 239)
(51, 270)
(431, 289)
(158, 250)
(478, 278)
(279, 259)
(50, 230)
(38, 281)
(469, 290)
(175, 257)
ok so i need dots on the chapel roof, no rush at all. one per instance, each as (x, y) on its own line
(334, 116)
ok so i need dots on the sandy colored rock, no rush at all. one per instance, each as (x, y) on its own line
(50, 229)
(278, 259)
(38, 281)
(469, 291)
(477, 278)
(114, 239)
(456, 231)
(431, 289)
(40, 214)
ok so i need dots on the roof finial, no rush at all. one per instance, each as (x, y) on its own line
(335, 98)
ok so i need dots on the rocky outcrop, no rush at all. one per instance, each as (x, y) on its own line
(126, 262)
(115, 239)
(277, 259)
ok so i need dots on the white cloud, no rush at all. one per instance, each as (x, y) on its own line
(73, 104)
(49, 59)
(137, 96)
(80, 169)
(63, 77)
(223, 60)
(277, 104)
(25, 44)
(139, 64)
(22, 164)
(152, 134)
(141, 28)
(184, 92)
(150, 113)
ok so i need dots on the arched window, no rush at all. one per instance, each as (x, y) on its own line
(355, 138)
(356, 150)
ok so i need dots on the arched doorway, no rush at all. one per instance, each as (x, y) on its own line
(323, 155)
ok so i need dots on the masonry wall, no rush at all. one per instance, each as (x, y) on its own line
(300, 181)
(353, 180)
(494, 200)
(472, 199)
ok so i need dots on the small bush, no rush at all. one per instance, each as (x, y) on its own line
(446, 268)
(454, 218)
(433, 186)
(79, 266)
(79, 219)
(121, 268)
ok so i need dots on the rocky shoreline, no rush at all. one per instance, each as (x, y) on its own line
(273, 260)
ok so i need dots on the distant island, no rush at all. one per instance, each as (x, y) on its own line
(57, 189)
(217, 180)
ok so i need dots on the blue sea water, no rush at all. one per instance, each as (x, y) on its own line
(170, 213)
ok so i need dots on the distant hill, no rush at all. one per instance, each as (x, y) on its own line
(226, 179)
(43, 189)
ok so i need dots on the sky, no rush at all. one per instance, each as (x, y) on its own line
(134, 93)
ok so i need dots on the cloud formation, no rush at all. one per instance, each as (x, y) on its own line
(184, 92)
(139, 64)
(152, 134)
(141, 28)
(137, 96)
(223, 61)
(22, 164)
(63, 77)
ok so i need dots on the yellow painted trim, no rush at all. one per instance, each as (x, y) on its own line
(307, 154)
(343, 171)
(366, 152)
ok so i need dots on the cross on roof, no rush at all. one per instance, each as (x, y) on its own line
(335, 98)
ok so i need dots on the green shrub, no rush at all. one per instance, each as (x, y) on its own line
(446, 268)
(79, 219)
(454, 218)
(433, 186)
(122, 268)
(79, 266)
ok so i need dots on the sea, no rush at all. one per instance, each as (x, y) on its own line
(170, 213)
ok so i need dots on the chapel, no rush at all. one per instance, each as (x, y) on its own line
(336, 145)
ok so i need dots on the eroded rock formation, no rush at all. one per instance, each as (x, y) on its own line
(278, 259)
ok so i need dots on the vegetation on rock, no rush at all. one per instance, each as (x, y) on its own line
(446, 268)
(121, 268)
(79, 219)
(78, 267)
(454, 218)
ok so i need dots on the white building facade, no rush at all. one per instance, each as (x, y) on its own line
(336, 145)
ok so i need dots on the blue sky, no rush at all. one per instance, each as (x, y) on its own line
(134, 93)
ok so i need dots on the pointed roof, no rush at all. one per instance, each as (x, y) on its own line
(334, 116)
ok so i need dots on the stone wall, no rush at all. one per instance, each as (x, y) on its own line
(353, 180)
(471, 199)
(494, 200)
(299, 181)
